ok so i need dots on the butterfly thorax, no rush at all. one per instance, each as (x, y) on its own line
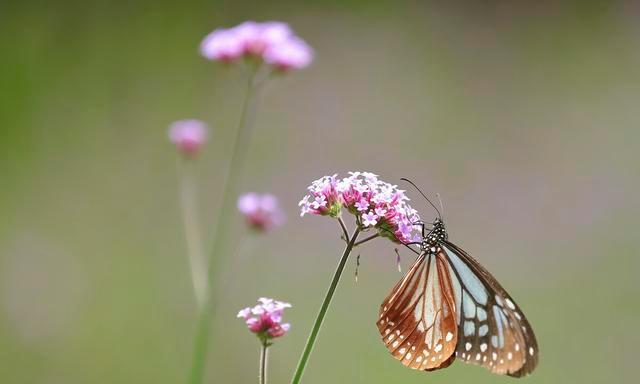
(430, 243)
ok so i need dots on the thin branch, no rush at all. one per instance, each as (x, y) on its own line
(366, 239)
(345, 233)
(323, 308)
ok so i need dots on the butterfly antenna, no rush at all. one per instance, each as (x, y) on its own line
(440, 201)
(398, 260)
(357, 266)
(423, 195)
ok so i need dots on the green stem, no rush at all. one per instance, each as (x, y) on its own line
(345, 233)
(367, 239)
(323, 309)
(189, 202)
(262, 377)
(223, 226)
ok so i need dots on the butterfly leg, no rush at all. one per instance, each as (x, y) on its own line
(421, 224)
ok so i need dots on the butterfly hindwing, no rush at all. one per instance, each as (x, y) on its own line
(492, 330)
(418, 320)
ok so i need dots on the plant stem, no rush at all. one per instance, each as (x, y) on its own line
(189, 202)
(344, 229)
(264, 359)
(223, 226)
(366, 239)
(323, 309)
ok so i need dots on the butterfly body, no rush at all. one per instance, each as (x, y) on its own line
(448, 306)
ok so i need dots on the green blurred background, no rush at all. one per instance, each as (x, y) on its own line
(523, 115)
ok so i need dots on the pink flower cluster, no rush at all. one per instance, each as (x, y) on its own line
(265, 319)
(375, 203)
(272, 42)
(188, 136)
(262, 211)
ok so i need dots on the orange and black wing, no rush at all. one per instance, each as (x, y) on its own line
(418, 320)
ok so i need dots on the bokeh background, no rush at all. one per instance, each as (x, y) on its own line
(522, 115)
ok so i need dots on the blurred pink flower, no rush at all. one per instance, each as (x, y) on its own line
(265, 319)
(291, 54)
(375, 203)
(262, 211)
(272, 42)
(222, 45)
(188, 136)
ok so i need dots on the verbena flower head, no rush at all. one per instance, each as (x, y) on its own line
(265, 319)
(291, 54)
(271, 42)
(188, 136)
(262, 211)
(374, 203)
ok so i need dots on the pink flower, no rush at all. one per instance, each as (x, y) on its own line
(188, 136)
(369, 219)
(265, 319)
(375, 203)
(272, 42)
(291, 54)
(323, 198)
(262, 211)
(256, 38)
(222, 45)
(362, 205)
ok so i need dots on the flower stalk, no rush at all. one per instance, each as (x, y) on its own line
(189, 203)
(324, 307)
(264, 359)
(222, 228)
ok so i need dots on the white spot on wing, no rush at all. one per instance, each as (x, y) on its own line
(449, 336)
(510, 303)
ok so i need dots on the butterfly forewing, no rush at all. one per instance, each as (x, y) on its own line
(418, 320)
(492, 330)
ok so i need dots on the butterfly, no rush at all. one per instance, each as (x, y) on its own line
(448, 306)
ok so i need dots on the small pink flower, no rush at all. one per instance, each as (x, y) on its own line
(369, 219)
(291, 54)
(265, 319)
(271, 42)
(256, 38)
(374, 202)
(362, 205)
(262, 211)
(188, 136)
(323, 198)
(222, 45)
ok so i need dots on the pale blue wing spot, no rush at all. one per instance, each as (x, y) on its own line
(499, 317)
(469, 306)
(482, 314)
(469, 279)
(469, 328)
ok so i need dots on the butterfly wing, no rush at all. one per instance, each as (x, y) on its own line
(417, 320)
(492, 330)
